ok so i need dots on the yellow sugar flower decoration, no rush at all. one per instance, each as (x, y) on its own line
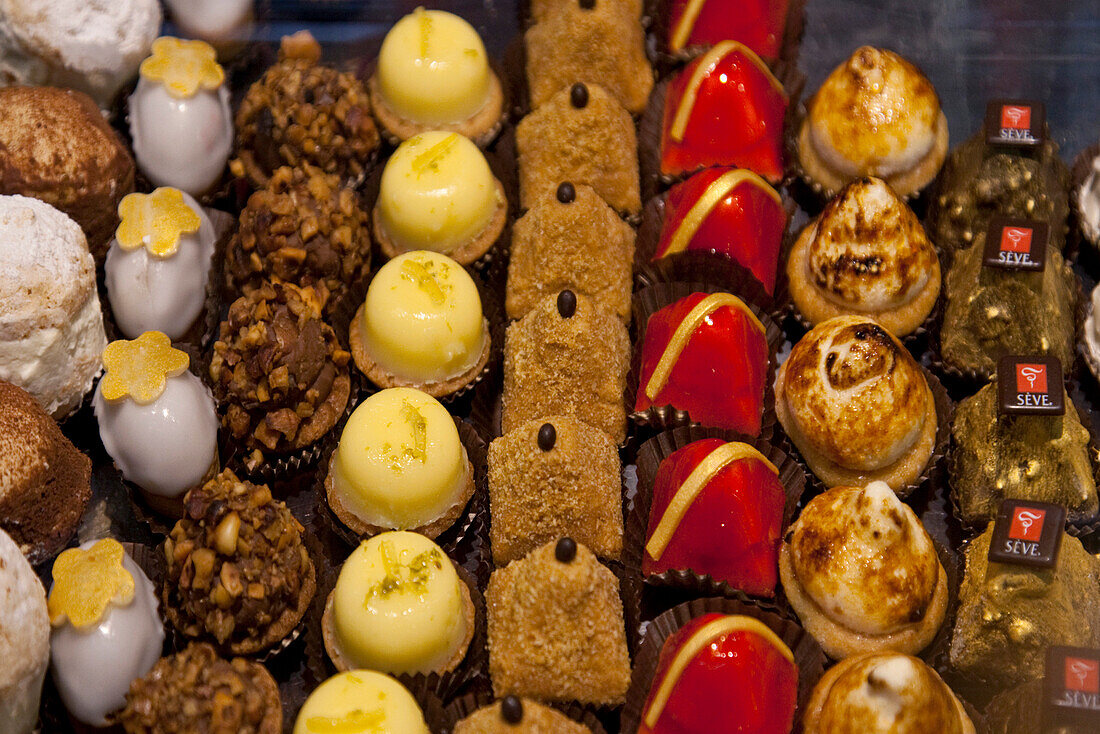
(140, 368)
(183, 67)
(155, 221)
(86, 582)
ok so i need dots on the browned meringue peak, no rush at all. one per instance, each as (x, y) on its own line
(875, 114)
(868, 252)
(854, 393)
(884, 693)
(865, 559)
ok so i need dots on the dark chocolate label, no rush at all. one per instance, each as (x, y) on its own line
(1030, 386)
(1027, 533)
(1016, 122)
(1071, 687)
(1016, 244)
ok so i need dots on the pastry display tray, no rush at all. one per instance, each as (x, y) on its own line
(971, 50)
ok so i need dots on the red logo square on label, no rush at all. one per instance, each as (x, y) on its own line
(1016, 117)
(1027, 524)
(1082, 674)
(1016, 239)
(1031, 378)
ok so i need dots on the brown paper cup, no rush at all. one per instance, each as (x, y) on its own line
(650, 300)
(460, 708)
(807, 654)
(649, 459)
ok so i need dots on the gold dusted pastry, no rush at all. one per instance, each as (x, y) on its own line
(568, 356)
(857, 405)
(884, 693)
(433, 74)
(1010, 614)
(875, 115)
(56, 146)
(302, 112)
(573, 241)
(1043, 458)
(862, 574)
(593, 43)
(513, 715)
(980, 182)
(584, 136)
(992, 312)
(553, 476)
(866, 254)
(556, 629)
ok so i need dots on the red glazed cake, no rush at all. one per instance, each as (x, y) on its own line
(724, 108)
(707, 355)
(759, 24)
(722, 674)
(731, 211)
(717, 510)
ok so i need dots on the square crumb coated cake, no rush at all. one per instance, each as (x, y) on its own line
(573, 240)
(550, 477)
(582, 135)
(556, 630)
(568, 356)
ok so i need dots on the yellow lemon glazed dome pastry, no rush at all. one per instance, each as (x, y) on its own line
(857, 405)
(25, 644)
(437, 193)
(159, 262)
(102, 608)
(399, 607)
(360, 701)
(875, 115)
(862, 574)
(399, 466)
(865, 254)
(179, 116)
(421, 326)
(433, 74)
(156, 419)
(51, 327)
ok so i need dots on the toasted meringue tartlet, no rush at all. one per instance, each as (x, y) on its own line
(862, 574)
(866, 254)
(857, 405)
(884, 693)
(875, 115)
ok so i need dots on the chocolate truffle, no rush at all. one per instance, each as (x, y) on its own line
(238, 573)
(302, 112)
(304, 228)
(280, 375)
